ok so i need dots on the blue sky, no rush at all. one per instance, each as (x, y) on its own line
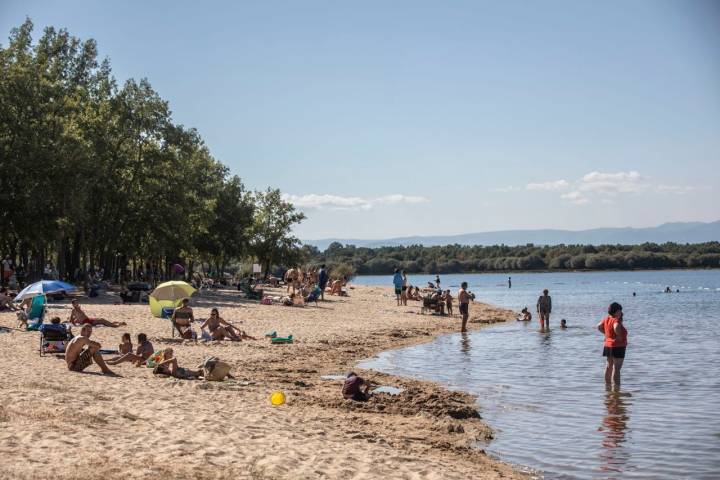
(384, 119)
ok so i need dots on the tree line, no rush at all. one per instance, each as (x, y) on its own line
(472, 259)
(94, 173)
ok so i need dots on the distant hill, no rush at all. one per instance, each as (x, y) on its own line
(679, 232)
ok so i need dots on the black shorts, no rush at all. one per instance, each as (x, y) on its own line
(464, 308)
(616, 352)
(404, 288)
(398, 290)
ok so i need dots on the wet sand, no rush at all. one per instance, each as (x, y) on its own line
(65, 425)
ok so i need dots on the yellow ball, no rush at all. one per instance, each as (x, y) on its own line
(277, 398)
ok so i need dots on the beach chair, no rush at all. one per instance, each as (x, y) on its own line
(53, 338)
(36, 313)
(250, 292)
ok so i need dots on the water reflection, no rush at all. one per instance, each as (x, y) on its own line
(465, 344)
(614, 457)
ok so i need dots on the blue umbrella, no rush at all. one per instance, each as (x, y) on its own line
(43, 287)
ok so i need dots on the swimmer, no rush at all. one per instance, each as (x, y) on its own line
(563, 324)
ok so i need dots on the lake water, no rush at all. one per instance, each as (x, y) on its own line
(544, 393)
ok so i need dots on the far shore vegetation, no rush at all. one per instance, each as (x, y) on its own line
(354, 260)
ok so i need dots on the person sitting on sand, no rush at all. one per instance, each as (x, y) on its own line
(126, 345)
(78, 317)
(81, 351)
(169, 366)
(6, 301)
(182, 318)
(355, 388)
(221, 329)
(416, 294)
(337, 288)
(142, 353)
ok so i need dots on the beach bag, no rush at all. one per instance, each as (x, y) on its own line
(215, 370)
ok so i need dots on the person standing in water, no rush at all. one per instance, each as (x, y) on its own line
(464, 301)
(509, 282)
(544, 307)
(615, 343)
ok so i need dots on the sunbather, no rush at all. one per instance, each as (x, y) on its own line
(169, 366)
(143, 352)
(81, 351)
(220, 329)
(78, 317)
(182, 319)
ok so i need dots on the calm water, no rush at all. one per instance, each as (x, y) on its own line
(545, 396)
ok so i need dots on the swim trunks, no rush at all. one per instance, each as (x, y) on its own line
(81, 362)
(464, 308)
(616, 352)
(89, 321)
(398, 290)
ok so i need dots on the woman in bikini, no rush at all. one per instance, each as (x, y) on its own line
(169, 366)
(220, 329)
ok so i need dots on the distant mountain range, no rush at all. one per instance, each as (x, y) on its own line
(679, 232)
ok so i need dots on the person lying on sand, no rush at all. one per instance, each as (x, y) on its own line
(78, 317)
(81, 351)
(142, 353)
(355, 388)
(169, 366)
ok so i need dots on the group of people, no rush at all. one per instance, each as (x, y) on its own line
(611, 326)
(307, 281)
(218, 328)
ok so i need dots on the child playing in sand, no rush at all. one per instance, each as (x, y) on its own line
(126, 345)
(355, 388)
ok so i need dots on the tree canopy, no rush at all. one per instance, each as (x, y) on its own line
(95, 173)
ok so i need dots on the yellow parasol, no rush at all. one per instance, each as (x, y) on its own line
(169, 294)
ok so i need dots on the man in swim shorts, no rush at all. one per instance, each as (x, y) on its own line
(464, 301)
(81, 351)
(78, 317)
(544, 307)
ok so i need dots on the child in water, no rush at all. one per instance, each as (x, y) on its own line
(563, 324)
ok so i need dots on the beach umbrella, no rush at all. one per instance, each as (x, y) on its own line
(169, 294)
(43, 287)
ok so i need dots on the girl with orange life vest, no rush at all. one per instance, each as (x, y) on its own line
(615, 342)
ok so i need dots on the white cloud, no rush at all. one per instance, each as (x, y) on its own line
(678, 189)
(613, 183)
(548, 186)
(603, 186)
(336, 202)
(575, 197)
(509, 188)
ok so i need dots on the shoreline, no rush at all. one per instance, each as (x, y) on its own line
(228, 429)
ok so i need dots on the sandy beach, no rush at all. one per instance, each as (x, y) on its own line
(58, 424)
